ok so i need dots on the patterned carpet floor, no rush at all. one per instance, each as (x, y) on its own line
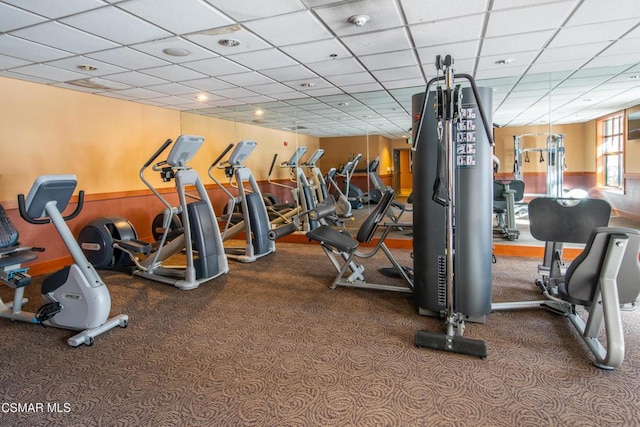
(270, 345)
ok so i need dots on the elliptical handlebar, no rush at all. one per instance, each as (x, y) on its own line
(23, 210)
(217, 160)
(158, 152)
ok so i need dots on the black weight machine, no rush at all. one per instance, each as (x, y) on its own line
(453, 222)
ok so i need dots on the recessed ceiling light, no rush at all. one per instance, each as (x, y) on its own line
(635, 77)
(258, 112)
(229, 42)
(343, 104)
(307, 84)
(202, 97)
(504, 61)
(176, 51)
(86, 67)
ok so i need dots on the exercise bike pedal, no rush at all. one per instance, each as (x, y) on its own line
(47, 311)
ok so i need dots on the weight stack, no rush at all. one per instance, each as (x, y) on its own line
(473, 188)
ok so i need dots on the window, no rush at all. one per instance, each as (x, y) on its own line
(612, 149)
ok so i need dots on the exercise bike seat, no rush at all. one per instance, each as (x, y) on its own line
(583, 274)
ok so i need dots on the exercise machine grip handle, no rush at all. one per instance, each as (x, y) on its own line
(23, 211)
(283, 230)
(78, 208)
(157, 153)
(321, 211)
(217, 160)
(273, 163)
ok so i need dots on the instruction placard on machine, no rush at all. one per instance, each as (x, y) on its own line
(466, 138)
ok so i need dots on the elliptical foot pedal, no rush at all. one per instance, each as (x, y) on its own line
(454, 344)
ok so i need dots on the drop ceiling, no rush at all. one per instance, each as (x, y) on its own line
(308, 69)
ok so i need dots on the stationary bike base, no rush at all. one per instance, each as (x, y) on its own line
(88, 335)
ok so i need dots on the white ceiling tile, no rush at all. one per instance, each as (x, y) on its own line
(207, 84)
(157, 47)
(500, 72)
(614, 60)
(47, 72)
(30, 51)
(487, 62)
(12, 18)
(624, 47)
(568, 53)
(458, 51)
(594, 11)
(246, 10)
(549, 67)
(400, 84)
(320, 50)
(271, 88)
(420, 11)
(335, 67)
(362, 87)
(380, 42)
(128, 58)
(515, 43)
(236, 92)
(185, 16)
(116, 25)
(602, 32)
(138, 92)
(251, 78)
(301, 27)
(436, 33)
(513, 4)
(323, 91)
(173, 73)
(401, 73)
(72, 64)
(404, 58)
(56, 9)
(63, 37)
(174, 89)
(527, 19)
(285, 74)
(210, 39)
(216, 66)
(351, 79)
(262, 59)
(10, 62)
(383, 14)
(134, 78)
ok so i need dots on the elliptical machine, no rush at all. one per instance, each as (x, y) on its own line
(255, 219)
(75, 297)
(104, 240)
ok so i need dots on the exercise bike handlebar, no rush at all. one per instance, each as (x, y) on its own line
(23, 211)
